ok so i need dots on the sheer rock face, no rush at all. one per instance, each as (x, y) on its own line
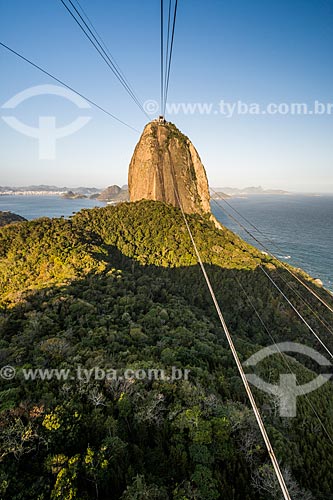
(165, 161)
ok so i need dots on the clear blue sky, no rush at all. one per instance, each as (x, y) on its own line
(259, 51)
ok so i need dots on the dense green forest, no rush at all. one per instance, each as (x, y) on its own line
(118, 288)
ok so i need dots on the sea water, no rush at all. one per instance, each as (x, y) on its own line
(298, 228)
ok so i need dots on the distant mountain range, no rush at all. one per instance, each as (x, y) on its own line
(249, 190)
(110, 194)
(43, 189)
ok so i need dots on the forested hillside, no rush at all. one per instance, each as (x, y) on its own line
(119, 287)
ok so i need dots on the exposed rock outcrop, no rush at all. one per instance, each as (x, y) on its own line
(109, 193)
(113, 193)
(166, 167)
(10, 218)
(70, 195)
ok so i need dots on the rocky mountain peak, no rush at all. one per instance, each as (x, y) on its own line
(164, 163)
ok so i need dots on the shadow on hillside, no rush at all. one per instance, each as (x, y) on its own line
(132, 305)
(243, 296)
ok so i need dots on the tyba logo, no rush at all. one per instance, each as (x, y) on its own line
(47, 133)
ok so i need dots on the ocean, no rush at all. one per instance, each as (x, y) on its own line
(300, 225)
(33, 207)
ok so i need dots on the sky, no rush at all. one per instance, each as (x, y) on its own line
(238, 52)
